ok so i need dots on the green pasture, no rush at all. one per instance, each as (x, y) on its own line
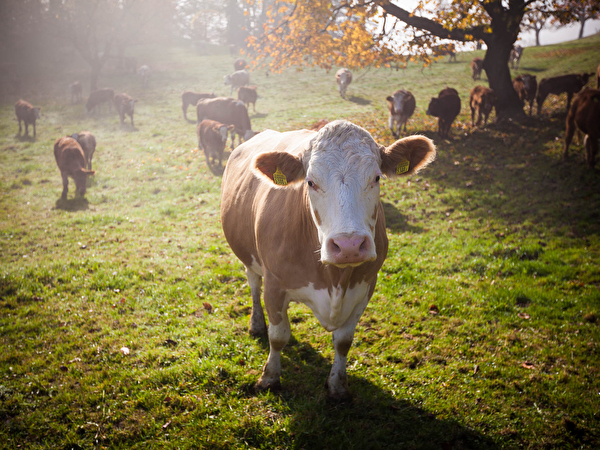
(124, 315)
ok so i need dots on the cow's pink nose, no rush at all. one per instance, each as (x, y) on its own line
(349, 249)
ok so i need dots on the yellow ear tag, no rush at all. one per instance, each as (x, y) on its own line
(279, 178)
(402, 167)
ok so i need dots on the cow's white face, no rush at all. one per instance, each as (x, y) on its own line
(36, 112)
(131, 104)
(398, 101)
(223, 131)
(227, 79)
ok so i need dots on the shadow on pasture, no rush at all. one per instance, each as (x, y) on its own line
(25, 138)
(192, 121)
(359, 100)
(73, 204)
(531, 69)
(128, 127)
(396, 221)
(375, 418)
(258, 115)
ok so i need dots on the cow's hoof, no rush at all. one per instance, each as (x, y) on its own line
(272, 386)
(258, 332)
(338, 395)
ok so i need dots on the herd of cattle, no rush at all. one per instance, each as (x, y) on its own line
(217, 117)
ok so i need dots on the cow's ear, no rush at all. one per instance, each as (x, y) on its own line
(407, 156)
(280, 167)
(389, 98)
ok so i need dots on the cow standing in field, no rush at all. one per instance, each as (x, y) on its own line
(515, 56)
(482, 100)
(584, 115)
(228, 111)
(98, 97)
(526, 88)
(87, 141)
(125, 104)
(28, 114)
(401, 106)
(248, 94)
(313, 229)
(239, 64)
(476, 68)
(76, 92)
(571, 84)
(212, 137)
(71, 163)
(237, 79)
(191, 98)
(144, 74)
(445, 107)
(445, 49)
(343, 78)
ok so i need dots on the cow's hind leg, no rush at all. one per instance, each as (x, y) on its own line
(258, 326)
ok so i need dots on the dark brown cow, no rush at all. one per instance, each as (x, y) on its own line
(71, 162)
(125, 104)
(212, 136)
(476, 68)
(401, 105)
(248, 95)
(445, 107)
(526, 87)
(191, 98)
(76, 91)
(482, 100)
(98, 97)
(228, 111)
(584, 115)
(28, 114)
(87, 141)
(571, 84)
(302, 211)
(239, 64)
(445, 49)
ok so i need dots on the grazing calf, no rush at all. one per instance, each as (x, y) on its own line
(401, 106)
(98, 97)
(191, 98)
(515, 56)
(584, 115)
(71, 162)
(476, 68)
(144, 74)
(125, 104)
(212, 136)
(445, 107)
(302, 212)
(87, 141)
(526, 87)
(482, 101)
(445, 49)
(247, 94)
(76, 92)
(239, 64)
(571, 84)
(28, 114)
(237, 79)
(343, 78)
(228, 111)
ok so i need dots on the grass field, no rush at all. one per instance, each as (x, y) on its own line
(483, 331)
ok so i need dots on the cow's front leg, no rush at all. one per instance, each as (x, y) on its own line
(391, 125)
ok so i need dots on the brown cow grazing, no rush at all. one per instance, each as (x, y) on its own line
(237, 79)
(476, 68)
(401, 106)
(87, 141)
(28, 114)
(482, 100)
(212, 136)
(228, 111)
(76, 91)
(247, 94)
(125, 104)
(571, 84)
(343, 78)
(98, 97)
(445, 107)
(584, 115)
(191, 98)
(239, 64)
(71, 162)
(313, 229)
(526, 87)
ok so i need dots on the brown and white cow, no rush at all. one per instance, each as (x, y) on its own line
(28, 114)
(571, 84)
(87, 141)
(401, 106)
(343, 78)
(301, 210)
(476, 68)
(515, 56)
(98, 97)
(71, 163)
(445, 107)
(526, 87)
(584, 115)
(212, 137)
(125, 104)
(191, 98)
(482, 100)
(228, 111)
(237, 79)
(248, 94)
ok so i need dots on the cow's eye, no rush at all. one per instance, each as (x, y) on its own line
(377, 178)
(311, 184)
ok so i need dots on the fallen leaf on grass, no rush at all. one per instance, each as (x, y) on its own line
(124, 350)
(433, 310)
(207, 306)
(166, 425)
(523, 316)
(528, 365)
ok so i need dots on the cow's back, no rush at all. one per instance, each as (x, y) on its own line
(69, 155)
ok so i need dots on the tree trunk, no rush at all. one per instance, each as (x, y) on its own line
(581, 29)
(537, 36)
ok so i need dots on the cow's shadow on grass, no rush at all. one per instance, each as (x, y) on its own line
(73, 204)
(374, 419)
(258, 115)
(396, 221)
(359, 100)
(24, 137)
